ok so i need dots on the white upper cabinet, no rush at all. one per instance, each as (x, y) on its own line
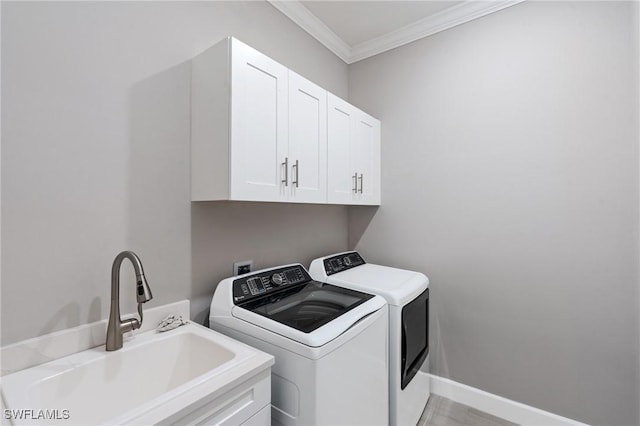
(367, 159)
(353, 155)
(261, 132)
(341, 152)
(307, 141)
(239, 124)
(259, 125)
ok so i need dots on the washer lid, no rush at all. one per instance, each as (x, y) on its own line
(314, 316)
(397, 286)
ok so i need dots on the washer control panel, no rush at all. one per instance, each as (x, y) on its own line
(342, 262)
(261, 283)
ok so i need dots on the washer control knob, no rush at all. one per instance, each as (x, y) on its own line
(276, 279)
(347, 261)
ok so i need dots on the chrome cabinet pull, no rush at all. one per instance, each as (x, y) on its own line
(286, 171)
(297, 166)
(361, 182)
(355, 180)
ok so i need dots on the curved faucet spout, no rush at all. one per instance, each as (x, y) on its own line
(117, 327)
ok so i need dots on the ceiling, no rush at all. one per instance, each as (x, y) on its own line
(359, 21)
(356, 30)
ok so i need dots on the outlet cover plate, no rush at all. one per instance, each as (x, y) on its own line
(242, 267)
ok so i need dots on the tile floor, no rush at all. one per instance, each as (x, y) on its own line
(441, 411)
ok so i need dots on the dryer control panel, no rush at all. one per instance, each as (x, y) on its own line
(342, 262)
(264, 282)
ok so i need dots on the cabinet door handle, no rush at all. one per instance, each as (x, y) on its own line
(286, 171)
(361, 182)
(297, 166)
(355, 182)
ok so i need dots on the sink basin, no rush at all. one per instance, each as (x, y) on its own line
(151, 378)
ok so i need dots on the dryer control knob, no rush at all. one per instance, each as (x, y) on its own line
(347, 261)
(276, 279)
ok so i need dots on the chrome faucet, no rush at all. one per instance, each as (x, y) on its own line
(117, 327)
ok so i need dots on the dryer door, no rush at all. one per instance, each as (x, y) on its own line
(415, 336)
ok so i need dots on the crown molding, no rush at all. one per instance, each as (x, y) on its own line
(443, 20)
(448, 18)
(306, 20)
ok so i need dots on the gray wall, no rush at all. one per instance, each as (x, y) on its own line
(510, 147)
(95, 158)
(510, 177)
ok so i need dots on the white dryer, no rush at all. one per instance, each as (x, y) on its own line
(329, 343)
(407, 293)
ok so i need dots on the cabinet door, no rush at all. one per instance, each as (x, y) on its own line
(258, 125)
(341, 129)
(367, 159)
(307, 141)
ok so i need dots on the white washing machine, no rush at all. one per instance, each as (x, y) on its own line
(407, 294)
(329, 343)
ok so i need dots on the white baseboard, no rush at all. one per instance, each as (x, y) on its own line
(496, 405)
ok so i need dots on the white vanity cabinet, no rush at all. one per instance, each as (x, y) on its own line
(258, 130)
(249, 403)
(353, 155)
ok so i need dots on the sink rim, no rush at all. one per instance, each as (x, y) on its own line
(15, 387)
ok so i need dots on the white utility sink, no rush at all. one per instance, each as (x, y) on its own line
(155, 377)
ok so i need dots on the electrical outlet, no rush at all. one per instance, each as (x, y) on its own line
(242, 267)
